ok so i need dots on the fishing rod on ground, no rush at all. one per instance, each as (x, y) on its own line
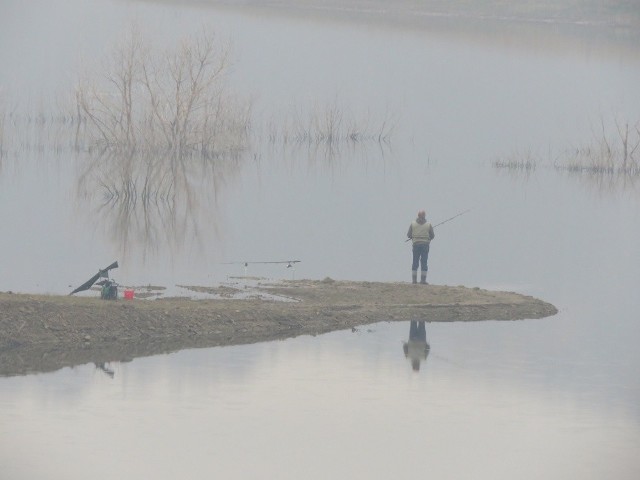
(447, 220)
(290, 264)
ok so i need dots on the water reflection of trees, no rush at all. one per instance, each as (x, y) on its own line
(158, 131)
(150, 199)
(153, 200)
(610, 162)
(607, 182)
(327, 157)
(607, 153)
(325, 135)
(517, 165)
(330, 124)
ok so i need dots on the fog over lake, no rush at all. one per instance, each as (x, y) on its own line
(352, 125)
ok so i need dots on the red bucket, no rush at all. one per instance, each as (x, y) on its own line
(128, 294)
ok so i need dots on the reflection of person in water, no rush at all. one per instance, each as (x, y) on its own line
(417, 348)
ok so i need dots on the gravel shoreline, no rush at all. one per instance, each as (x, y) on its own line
(44, 333)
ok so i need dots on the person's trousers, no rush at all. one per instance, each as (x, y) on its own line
(420, 257)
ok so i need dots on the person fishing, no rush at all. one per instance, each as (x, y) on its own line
(420, 233)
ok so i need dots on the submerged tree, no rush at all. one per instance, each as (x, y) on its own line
(607, 154)
(160, 130)
(173, 101)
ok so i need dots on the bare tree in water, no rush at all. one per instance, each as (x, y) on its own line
(175, 101)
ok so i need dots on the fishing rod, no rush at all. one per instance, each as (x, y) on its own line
(246, 264)
(289, 263)
(447, 220)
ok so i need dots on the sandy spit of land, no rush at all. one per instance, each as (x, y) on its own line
(45, 333)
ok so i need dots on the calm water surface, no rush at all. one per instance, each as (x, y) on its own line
(554, 398)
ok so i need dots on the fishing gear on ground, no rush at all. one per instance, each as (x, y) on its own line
(109, 290)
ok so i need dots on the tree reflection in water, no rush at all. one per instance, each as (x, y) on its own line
(153, 201)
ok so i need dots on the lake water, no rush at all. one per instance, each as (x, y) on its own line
(554, 398)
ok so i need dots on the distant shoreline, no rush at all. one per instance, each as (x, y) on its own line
(549, 24)
(616, 15)
(44, 333)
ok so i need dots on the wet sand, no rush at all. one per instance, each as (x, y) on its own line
(44, 333)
